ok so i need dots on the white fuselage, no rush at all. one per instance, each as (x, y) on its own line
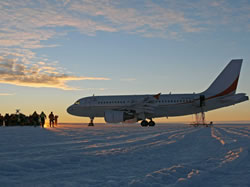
(167, 105)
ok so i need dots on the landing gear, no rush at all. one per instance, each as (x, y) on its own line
(91, 123)
(145, 123)
(151, 123)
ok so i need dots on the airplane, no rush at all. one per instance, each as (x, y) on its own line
(143, 108)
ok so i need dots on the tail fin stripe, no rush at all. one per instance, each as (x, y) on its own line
(230, 89)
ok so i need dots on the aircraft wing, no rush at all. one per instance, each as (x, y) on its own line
(144, 105)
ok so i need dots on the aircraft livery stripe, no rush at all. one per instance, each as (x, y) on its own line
(228, 90)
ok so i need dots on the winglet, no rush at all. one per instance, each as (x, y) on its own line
(157, 96)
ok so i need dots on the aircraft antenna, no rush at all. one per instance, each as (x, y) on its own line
(18, 111)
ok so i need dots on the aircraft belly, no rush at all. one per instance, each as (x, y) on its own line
(100, 110)
(175, 110)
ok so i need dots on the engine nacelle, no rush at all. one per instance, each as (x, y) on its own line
(112, 116)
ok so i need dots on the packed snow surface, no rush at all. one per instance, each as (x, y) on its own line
(125, 155)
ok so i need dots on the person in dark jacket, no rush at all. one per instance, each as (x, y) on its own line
(6, 119)
(1, 120)
(43, 117)
(56, 119)
(35, 119)
(51, 119)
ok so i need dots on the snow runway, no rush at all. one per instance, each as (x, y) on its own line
(125, 155)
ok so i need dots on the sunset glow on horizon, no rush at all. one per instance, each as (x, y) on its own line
(54, 52)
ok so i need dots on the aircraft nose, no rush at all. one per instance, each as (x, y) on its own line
(70, 109)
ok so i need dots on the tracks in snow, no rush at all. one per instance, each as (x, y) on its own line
(122, 140)
(175, 155)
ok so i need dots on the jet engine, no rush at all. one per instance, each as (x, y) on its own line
(112, 116)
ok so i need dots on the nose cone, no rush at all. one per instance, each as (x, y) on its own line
(70, 110)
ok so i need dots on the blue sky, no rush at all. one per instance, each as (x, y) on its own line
(54, 52)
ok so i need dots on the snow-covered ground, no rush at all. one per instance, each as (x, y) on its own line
(125, 155)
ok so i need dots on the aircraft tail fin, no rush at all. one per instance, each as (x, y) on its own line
(227, 81)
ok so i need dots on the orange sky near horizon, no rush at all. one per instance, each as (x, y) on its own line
(239, 112)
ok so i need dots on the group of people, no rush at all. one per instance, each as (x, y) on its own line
(35, 119)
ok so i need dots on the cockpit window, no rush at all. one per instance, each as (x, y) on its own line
(77, 103)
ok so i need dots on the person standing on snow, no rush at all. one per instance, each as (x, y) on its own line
(56, 119)
(43, 117)
(35, 119)
(51, 119)
(1, 120)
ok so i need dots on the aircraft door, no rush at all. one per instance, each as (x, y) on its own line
(202, 100)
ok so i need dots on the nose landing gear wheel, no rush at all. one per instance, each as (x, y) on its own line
(91, 123)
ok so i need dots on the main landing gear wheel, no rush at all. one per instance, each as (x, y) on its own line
(91, 123)
(144, 123)
(151, 123)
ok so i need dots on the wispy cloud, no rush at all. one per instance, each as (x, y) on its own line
(213, 15)
(36, 75)
(6, 94)
(25, 25)
(147, 19)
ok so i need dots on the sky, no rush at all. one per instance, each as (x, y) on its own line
(53, 52)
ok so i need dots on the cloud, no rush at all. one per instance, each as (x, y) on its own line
(147, 19)
(213, 15)
(6, 94)
(36, 75)
(26, 25)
